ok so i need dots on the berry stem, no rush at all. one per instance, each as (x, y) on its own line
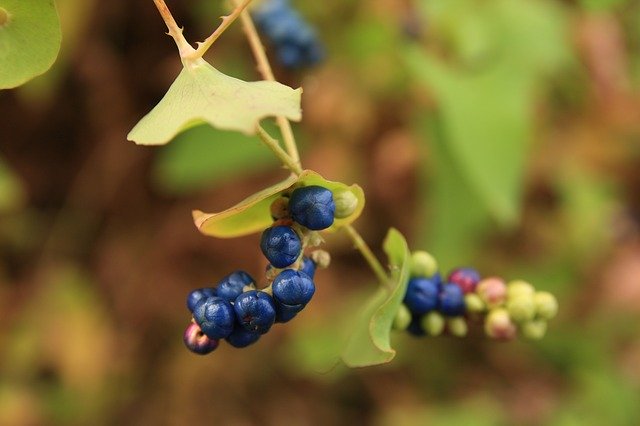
(274, 146)
(184, 48)
(368, 255)
(226, 22)
(264, 68)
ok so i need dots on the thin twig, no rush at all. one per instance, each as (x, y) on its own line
(226, 21)
(368, 255)
(274, 146)
(175, 31)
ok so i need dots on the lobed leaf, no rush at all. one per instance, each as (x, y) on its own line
(253, 214)
(202, 94)
(29, 40)
(370, 341)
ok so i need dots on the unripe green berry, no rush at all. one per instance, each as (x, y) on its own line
(521, 307)
(535, 329)
(474, 303)
(457, 326)
(519, 287)
(321, 258)
(546, 305)
(498, 325)
(402, 318)
(492, 291)
(346, 203)
(433, 323)
(423, 264)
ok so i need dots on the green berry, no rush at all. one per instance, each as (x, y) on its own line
(518, 287)
(534, 330)
(521, 307)
(457, 326)
(423, 264)
(498, 325)
(433, 323)
(474, 303)
(346, 203)
(402, 318)
(546, 305)
(492, 291)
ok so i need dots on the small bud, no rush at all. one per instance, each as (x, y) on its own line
(546, 305)
(402, 318)
(321, 258)
(474, 303)
(433, 323)
(423, 264)
(457, 326)
(314, 239)
(518, 287)
(346, 203)
(534, 330)
(498, 325)
(521, 307)
(492, 291)
(280, 208)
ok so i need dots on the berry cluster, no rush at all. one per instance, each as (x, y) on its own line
(239, 313)
(433, 306)
(295, 41)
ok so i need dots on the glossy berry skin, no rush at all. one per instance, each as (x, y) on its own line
(241, 338)
(312, 207)
(255, 311)
(230, 287)
(308, 267)
(465, 278)
(198, 342)
(451, 300)
(285, 313)
(422, 294)
(194, 297)
(280, 245)
(293, 287)
(215, 317)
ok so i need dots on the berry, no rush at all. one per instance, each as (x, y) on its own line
(452, 300)
(402, 319)
(415, 326)
(194, 297)
(312, 207)
(423, 264)
(215, 317)
(422, 294)
(280, 245)
(498, 325)
(293, 287)
(198, 342)
(308, 267)
(474, 303)
(241, 338)
(231, 286)
(465, 278)
(492, 291)
(521, 307)
(255, 311)
(285, 313)
(534, 330)
(519, 287)
(346, 203)
(546, 305)
(433, 323)
(457, 326)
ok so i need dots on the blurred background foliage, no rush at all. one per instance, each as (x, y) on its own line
(503, 134)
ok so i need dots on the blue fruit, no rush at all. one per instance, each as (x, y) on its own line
(197, 342)
(465, 278)
(215, 317)
(194, 297)
(452, 300)
(293, 287)
(285, 313)
(422, 294)
(312, 207)
(280, 245)
(241, 338)
(308, 267)
(230, 287)
(255, 311)
(415, 326)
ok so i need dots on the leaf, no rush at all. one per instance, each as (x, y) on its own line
(29, 40)
(253, 214)
(369, 343)
(202, 94)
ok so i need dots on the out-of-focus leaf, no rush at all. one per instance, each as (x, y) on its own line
(11, 191)
(370, 341)
(29, 40)
(253, 214)
(202, 94)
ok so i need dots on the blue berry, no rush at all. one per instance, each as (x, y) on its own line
(241, 338)
(452, 300)
(308, 267)
(280, 245)
(194, 297)
(293, 287)
(215, 317)
(285, 313)
(197, 342)
(415, 326)
(255, 311)
(231, 286)
(312, 207)
(465, 278)
(422, 294)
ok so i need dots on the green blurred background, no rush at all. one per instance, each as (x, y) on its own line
(503, 134)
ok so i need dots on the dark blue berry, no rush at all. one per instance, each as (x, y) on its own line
(215, 317)
(241, 338)
(255, 311)
(312, 207)
(231, 286)
(293, 287)
(280, 245)
(452, 300)
(415, 326)
(308, 267)
(285, 313)
(194, 297)
(465, 278)
(198, 342)
(422, 294)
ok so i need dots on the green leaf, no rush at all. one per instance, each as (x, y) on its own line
(29, 40)
(202, 94)
(253, 214)
(369, 343)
